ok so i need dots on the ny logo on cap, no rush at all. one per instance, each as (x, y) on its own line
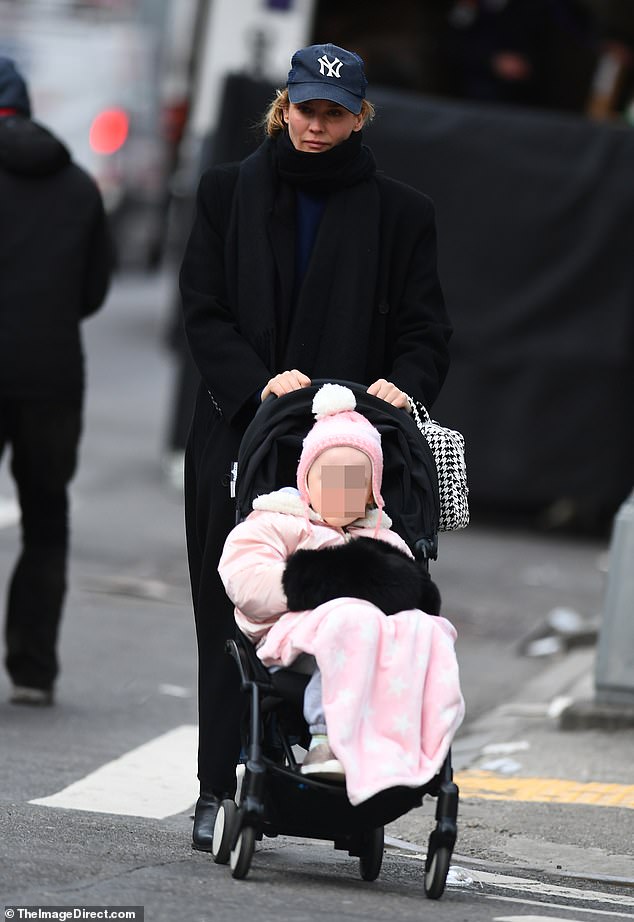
(333, 66)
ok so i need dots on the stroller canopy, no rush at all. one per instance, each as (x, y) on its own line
(272, 444)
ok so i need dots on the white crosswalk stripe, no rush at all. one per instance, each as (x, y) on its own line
(156, 780)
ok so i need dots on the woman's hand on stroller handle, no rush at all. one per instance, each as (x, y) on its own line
(389, 392)
(285, 383)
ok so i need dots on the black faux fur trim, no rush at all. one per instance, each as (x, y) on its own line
(364, 568)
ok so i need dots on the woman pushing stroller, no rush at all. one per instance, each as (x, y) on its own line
(304, 262)
(316, 571)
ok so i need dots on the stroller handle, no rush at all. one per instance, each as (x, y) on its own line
(356, 388)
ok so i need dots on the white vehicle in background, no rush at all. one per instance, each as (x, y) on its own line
(253, 37)
(209, 42)
(92, 75)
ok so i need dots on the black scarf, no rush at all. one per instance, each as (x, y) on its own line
(328, 331)
(342, 166)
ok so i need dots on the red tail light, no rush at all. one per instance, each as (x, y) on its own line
(109, 131)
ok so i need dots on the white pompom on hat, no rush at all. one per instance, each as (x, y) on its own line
(337, 425)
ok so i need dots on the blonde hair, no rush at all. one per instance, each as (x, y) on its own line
(273, 120)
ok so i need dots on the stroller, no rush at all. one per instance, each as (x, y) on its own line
(274, 798)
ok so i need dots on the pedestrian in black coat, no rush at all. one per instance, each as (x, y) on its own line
(55, 265)
(298, 266)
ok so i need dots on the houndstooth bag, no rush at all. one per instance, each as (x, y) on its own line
(447, 447)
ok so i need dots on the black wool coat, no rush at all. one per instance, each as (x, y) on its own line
(56, 259)
(410, 329)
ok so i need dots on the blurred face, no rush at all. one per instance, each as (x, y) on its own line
(319, 125)
(339, 485)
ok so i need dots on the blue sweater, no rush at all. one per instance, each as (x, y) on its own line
(308, 214)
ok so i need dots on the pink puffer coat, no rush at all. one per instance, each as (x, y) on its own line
(255, 553)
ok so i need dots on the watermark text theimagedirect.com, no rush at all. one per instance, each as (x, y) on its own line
(66, 913)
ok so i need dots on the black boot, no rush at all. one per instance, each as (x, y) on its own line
(204, 819)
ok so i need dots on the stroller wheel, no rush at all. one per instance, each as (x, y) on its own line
(371, 858)
(223, 831)
(242, 853)
(436, 870)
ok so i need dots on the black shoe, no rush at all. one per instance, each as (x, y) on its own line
(204, 819)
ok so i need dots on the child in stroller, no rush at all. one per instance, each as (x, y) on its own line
(315, 571)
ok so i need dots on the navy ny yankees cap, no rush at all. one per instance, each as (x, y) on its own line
(327, 72)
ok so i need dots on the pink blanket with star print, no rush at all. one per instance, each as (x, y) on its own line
(391, 691)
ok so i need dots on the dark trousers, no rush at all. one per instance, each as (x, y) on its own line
(209, 517)
(44, 439)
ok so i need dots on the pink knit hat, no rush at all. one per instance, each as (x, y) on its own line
(339, 425)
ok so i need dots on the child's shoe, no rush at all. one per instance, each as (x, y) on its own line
(321, 762)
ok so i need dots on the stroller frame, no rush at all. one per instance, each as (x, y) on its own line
(276, 799)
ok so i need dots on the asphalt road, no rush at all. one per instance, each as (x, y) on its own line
(126, 697)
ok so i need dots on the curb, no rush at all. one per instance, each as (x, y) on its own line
(589, 714)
